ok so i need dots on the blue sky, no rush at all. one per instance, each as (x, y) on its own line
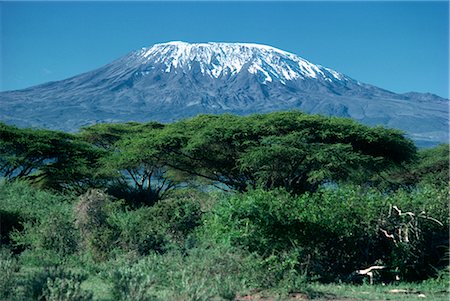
(399, 46)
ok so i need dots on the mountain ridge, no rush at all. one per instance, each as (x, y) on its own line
(174, 80)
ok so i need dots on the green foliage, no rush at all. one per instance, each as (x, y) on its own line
(168, 234)
(136, 174)
(37, 258)
(91, 218)
(55, 283)
(430, 167)
(40, 221)
(169, 222)
(433, 166)
(202, 274)
(420, 236)
(138, 232)
(22, 151)
(29, 202)
(208, 272)
(105, 135)
(109, 228)
(9, 267)
(297, 165)
(334, 231)
(291, 150)
(51, 159)
(142, 162)
(129, 284)
(65, 289)
(8, 222)
(403, 291)
(178, 217)
(53, 233)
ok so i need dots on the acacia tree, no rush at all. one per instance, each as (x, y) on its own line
(430, 167)
(433, 165)
(207, 147)
(297, 165)
(289, 149)
(313, 150)
(52, 159)
(135, 170)
(23, 151)
(140, 175)
(105, 135)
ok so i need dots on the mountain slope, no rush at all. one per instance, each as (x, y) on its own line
(175, 80)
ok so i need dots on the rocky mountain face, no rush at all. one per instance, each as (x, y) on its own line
(175, 80)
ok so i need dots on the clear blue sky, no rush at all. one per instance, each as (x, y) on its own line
(399, 46)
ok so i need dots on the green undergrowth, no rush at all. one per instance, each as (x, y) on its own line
(196, 245)
(400, 291)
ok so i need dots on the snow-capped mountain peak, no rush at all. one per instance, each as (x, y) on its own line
(225, 59)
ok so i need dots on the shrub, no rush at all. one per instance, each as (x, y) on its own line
(29, 203)
(54, 233)
(9, 268)
(201, 274)
(8, 222)
(130, 284)
(333, 232)
(37, 220)
(108, 227)
(178, 217)
(137, 231)
(91, 218)
(65, 289)
(147, 229)
(418, 224)
(53, 283)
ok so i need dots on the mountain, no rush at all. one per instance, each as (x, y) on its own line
(175, 80)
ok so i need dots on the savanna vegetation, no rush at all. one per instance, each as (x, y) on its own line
(277, 206)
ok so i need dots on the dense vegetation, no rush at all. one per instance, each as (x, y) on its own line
(216, 207)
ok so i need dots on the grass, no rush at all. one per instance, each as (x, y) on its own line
(430, 291)
(402, 291)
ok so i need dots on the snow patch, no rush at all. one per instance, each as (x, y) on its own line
(218, 59)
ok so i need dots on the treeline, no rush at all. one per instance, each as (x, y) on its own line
(266, 201)
(293, 151)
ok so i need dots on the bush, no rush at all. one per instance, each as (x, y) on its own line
(29, 203)
(138, 231)
(273, 224)
(168, 223)
(37, 220)
(130, 284)
(201, 274)
(419, 227)
(108, 227)
(9, 221)
(65, 289)
(54, 233)
(334, 231)
(53, 283)
(9, 268)
(177, 217)
(91, 218)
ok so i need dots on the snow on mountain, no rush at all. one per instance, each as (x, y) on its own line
(176, 80)
(224, 59)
